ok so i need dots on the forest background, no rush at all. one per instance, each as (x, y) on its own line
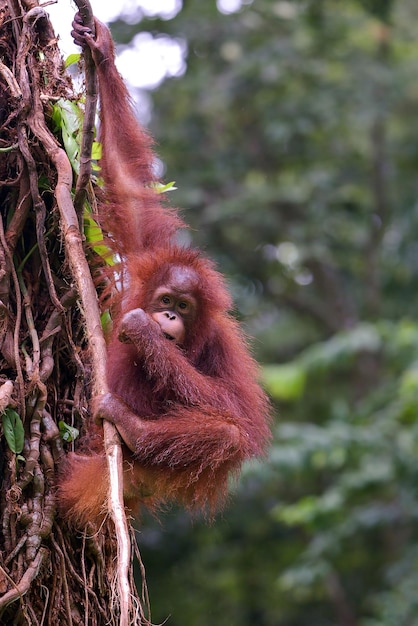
(292, 135)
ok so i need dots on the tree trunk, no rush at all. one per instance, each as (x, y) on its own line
(49, 574)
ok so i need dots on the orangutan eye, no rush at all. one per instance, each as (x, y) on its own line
(183, 306)
(166, 300)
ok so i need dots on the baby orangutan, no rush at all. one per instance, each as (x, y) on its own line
(183, 387)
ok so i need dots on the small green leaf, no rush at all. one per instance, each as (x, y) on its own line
(13, 430)
(9, 148)
(56, 116)
(285, 382)
(409, 380)
(94, 237)
(68, 433)
(69, 119)
(106, 321)
(96, 151)
(72, 58)
(160, 188)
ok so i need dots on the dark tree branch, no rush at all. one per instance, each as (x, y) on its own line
(89, 113)
(380, 168)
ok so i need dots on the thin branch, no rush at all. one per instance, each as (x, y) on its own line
(81, 272)
(18, 321)
(24, 585)
(19, 217)
(89, 112)
(111, 438)
(85, 286)
(31, 99)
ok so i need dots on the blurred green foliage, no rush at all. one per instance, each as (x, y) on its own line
(293, 141)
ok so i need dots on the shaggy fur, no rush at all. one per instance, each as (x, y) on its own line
(189, 415)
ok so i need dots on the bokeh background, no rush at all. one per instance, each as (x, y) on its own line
(291, 130)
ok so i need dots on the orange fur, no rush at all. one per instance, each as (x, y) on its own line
(88, 475)
(190, 415)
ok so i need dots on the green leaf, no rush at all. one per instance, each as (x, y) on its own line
(309, 508)
(94, 236)
(342, 347)
(409, 380)
(72, 59)
(284, 382)
(106, 321)
(13, 430)
(96, 151)
(69, 119)
(160, 188)
(67, 432)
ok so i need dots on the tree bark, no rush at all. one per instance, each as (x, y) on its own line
(52, 351)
